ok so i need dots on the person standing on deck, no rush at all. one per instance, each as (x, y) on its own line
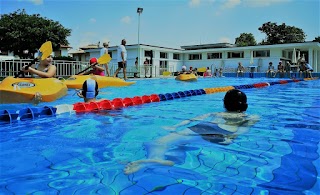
(122, 59)
(103, 51)
(136, 64)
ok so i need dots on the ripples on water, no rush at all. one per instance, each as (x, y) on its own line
(86, 153)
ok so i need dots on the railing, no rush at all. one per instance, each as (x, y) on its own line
(68, 68)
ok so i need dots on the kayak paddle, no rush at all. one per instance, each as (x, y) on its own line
(44, 51)
(104, 59)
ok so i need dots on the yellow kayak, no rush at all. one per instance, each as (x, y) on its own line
(186, 77)
(24, 90)
(76, 81)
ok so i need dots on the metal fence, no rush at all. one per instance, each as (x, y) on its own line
(68, 68)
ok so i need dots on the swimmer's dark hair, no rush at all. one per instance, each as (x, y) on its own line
(235, 101)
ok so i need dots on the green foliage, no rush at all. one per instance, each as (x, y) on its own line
(277, 34)
(245, 39)
(20, 31)
(316, 39)
(65, 58)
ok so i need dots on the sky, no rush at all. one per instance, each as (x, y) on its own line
(170, 23)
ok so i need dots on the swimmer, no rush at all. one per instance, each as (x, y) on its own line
(219, 128)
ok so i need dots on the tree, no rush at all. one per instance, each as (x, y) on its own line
(277, 34)
(22, 32)
(245, 39)
(316, 39)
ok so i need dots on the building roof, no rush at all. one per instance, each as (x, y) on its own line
(90, 46)
(208, 46)
(65, 46)
(79, 51)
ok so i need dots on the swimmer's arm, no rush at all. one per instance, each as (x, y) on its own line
(186, 122)
(252, 119)
(80, 94)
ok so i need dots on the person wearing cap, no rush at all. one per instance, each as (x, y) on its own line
(90, 90)
(96, 68)
(103, 51)
(122, 59)
(218, 128)
(183, 70)
(270, 70)
(280, 70)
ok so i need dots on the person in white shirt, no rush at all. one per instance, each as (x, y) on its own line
(309, 70)
(103, 51)
(122, 59)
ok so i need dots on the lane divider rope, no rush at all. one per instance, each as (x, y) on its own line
(32, 113)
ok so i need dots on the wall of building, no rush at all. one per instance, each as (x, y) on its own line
(281, 52)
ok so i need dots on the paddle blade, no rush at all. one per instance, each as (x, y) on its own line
(104, 59)
(45, 50)
(166, 73)
(202, 69)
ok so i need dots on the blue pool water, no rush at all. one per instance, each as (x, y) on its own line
(87, 153)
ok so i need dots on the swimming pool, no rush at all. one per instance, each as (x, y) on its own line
(87, 153)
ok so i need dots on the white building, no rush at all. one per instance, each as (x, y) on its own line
(218, 55)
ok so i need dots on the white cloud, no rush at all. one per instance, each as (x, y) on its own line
(230, 4)
(93, 20)
(197, 3)
(224, 40)
(263, 3)
(126, 20)
(37, 2)
(194, 3)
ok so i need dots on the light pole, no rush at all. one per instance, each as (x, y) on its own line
(139, 11)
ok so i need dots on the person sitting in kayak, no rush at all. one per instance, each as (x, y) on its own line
(183, 70)
(90, 90)
(96, 69)
(44, 69)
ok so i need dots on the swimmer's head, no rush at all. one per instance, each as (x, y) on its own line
(184, 68)
(90, 89)
(235, 101)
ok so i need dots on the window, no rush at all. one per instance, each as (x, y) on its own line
(290, 54)
(214, 56)
(261, 53)
(110, 54)
(235, 54)
(163, 66)
(163, 55)
(195, 57)
(176, 56)
(148, 53)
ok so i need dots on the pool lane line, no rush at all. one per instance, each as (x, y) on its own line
(31, 113)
